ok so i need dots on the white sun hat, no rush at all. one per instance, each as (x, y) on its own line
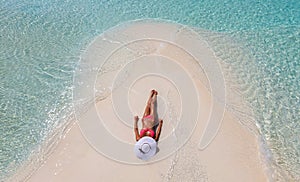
(145, 148)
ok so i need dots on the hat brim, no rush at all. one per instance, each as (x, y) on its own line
(150, 153)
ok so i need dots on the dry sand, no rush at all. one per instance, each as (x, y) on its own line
(232, 155)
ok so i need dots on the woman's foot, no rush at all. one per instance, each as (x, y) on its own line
(152, 92)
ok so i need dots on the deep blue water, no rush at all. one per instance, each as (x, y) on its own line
(41, 43)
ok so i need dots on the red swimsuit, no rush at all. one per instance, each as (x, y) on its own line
(143, 132)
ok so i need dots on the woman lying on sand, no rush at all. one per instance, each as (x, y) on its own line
(148, 120)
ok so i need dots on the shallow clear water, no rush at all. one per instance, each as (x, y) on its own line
(41, 43)
(267, 76)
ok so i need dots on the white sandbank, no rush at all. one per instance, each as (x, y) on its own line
(232, 155)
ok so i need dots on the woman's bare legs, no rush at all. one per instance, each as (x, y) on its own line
(153, 100)
(148, 106)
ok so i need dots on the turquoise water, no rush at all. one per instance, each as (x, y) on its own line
(41, 43)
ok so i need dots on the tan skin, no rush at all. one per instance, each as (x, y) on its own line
(148, 122)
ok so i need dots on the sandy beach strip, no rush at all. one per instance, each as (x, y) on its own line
(232, 155)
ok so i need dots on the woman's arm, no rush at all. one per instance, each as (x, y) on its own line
(158, 130)
(135, 128)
